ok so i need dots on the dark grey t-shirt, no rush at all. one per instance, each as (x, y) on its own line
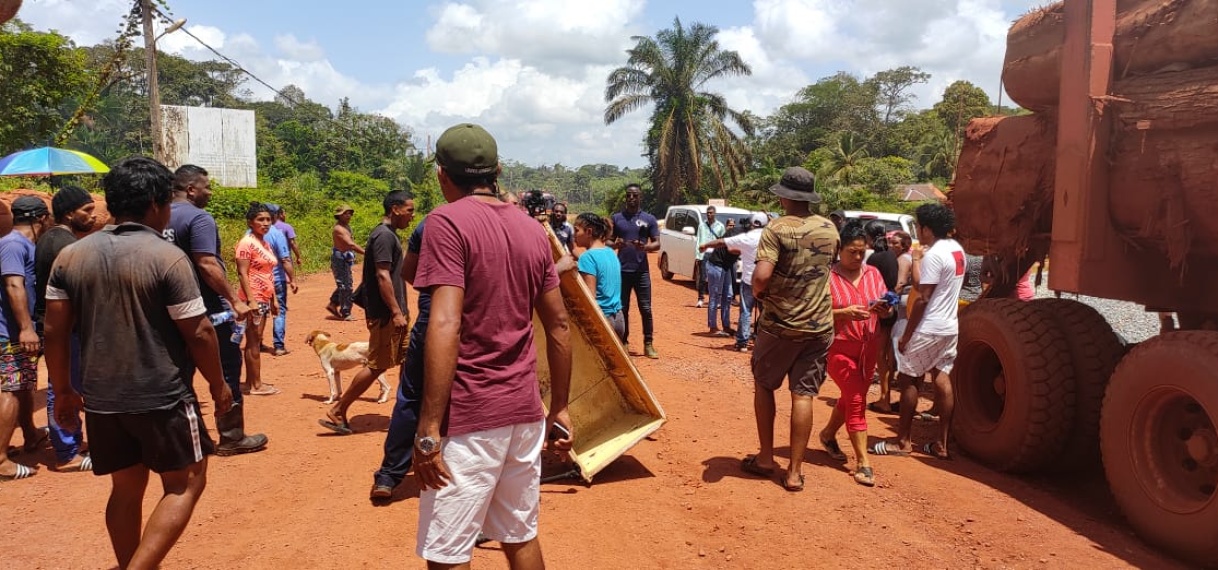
(127, 286)
(383, 247)
(45, 251)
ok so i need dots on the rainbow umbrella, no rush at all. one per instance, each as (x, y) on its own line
(49, 161)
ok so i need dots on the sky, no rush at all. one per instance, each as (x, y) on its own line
(533, 71)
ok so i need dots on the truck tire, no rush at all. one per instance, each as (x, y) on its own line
(1014, 386)
(1094, 350)
(664, 272)
(1160, 448)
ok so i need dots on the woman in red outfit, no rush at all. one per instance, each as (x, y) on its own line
(856, 287)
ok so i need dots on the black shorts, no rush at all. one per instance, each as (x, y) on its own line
(161, 440)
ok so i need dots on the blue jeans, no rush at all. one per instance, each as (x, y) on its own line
(281, 320)
(67, 442)
(719, 293)
(340, 266)
(640, 283)
(746, 315)
(399, 442)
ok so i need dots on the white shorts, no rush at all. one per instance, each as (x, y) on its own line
(495, 489)
(926, 352)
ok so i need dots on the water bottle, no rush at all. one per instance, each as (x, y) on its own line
(238, 333)
(220, 318)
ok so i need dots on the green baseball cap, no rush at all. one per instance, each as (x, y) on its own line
(467, 149)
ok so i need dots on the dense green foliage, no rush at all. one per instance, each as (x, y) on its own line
(862, 136)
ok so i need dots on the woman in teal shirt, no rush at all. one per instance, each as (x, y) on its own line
(600, 268)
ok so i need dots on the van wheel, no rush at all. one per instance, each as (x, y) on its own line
(664, 272)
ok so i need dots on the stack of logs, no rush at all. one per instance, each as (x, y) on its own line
(1163, 144)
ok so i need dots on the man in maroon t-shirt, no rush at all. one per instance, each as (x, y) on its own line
(488, 266)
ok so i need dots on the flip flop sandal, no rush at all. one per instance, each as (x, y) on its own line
(833, 449)
(881, 448)
(266, 390)
(23, 472)
(334, 312)
(793, 488)
(749, 465)
(343, 428)
(895, 409)
(930, 449)
(926, 417)
(865, 477)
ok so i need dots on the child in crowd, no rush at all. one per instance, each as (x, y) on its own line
(600, 268)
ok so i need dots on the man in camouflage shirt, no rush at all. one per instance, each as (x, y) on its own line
(791, 280)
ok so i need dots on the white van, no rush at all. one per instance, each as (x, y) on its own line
(678, 235)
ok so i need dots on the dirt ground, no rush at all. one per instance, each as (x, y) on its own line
(677, 500)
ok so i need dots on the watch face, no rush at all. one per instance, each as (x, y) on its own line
(427, 445)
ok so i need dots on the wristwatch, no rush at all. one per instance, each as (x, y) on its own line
(427, 445)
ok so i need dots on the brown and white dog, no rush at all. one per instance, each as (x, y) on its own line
(337, 357)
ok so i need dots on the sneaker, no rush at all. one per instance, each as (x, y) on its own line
(649, 350)
(743, 348)
(281, 352)
(380, 492)
(700, 304)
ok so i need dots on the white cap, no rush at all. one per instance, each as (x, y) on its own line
(760, 219)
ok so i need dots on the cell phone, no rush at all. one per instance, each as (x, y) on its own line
(557, 432)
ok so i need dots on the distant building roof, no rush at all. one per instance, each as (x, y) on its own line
(919, 193)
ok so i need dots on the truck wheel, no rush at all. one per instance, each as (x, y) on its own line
(1160, 447)
(1014, 385)
(1094, 350)
(664, 272)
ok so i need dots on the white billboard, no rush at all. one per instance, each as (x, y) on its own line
(220, 140)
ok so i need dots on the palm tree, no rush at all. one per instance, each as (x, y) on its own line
(844, 160)
(688, 132)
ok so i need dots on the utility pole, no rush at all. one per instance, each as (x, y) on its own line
(154, 89)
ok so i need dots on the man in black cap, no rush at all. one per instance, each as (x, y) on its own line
(791, 280)
(73, 209)
(20, 345)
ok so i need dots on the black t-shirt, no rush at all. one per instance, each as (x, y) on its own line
(49, 245)
(886, 262)
(127, 288)
(383, 247)
(723, 257)
(193, 230)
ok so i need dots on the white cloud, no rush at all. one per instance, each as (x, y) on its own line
(533, 71)
(555, 35)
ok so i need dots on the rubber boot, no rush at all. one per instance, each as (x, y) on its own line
(233, 440)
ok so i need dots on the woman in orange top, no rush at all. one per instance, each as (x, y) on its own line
(255, 268)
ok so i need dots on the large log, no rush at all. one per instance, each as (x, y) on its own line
(1151, 36)
(1003, 192)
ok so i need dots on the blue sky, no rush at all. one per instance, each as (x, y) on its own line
(533, 71)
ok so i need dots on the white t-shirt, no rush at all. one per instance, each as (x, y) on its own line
(943, 265)
(747, 244)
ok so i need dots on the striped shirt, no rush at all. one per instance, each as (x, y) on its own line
(845, 294)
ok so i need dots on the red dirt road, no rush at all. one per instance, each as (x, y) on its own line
(677, 500)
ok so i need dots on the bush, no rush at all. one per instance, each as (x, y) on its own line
(353, 186)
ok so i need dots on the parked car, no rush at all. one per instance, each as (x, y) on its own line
(892, 222)
(677, 237)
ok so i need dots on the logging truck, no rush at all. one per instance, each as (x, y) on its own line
(1113, 178)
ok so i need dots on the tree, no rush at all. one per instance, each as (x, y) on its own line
(892, 90)
(41, 72)
(962, 102)
(846, 152)
(688, 127)
(836, 103)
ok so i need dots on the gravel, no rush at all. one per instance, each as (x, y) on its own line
(1131, 321)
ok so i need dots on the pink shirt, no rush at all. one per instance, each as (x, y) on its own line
(1024, 290)
(502, 259)
(262, 269)
(870, 287)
